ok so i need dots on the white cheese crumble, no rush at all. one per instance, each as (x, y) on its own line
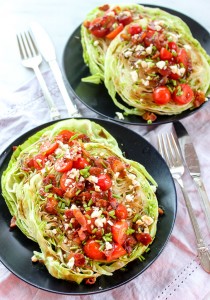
(149, 49)
(134, 76)
(96, 43)
(147, 220)
(96, 213)
(108, 246)
(145, 82)
(70, 263)
(161, 64)
(92, 179)
(100, 222)
(119, 115)
(128, 53)
(129, 197)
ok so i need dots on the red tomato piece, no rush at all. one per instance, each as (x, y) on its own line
(134, 29)
(165, 54)
(79, 259)
(48, 148)
(149, 116)
(65, 135)
(182, 57)
(104, 181)
(125, 18)
(39, 161)
(57, 191)
(65, 182)
(119, 232)
(161, 95)
(51, 205)
(92, 250)
(63, 164)
(115, 32)
(182, 94)
(80, 163)
(144, 238)
(115, 253)
(172, 46)
(121, 211)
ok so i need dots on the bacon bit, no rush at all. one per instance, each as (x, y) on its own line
(117, 165)
(13, 222)
(125, 37)
(49, 179)
(160, 211)
(199, 98)
(86, 23)
(90, 280)
(80, 217)
(82, 234)
(104, 7)
(149, 116)
(14, 148)
(51, 206)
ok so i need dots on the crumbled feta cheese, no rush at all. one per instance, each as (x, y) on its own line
(129, 197)
(110, 222)
(161, 64)
(149, 49)
(147, 220)
(139, 222)
(139, 48)
(144, 64)
(108, 246)
(92, 179)
(97, 188)
(146, 230)
(66, 226)
(58, 151)
(70, 263)
(100, 222)
(96, 43)
(188, 47)
(54, 231)
(154, 188)
(134, 76)
(74, 206)
(96, 213)
(145, 82)
(176, 70)
(131, 176)
(119, 115)
(128, 53)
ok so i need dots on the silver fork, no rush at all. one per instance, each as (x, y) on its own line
(170, 152)
(32, 59)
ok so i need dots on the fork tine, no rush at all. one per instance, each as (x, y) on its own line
(31, 45)
(24, 45)
(176, 149)
(20, 47)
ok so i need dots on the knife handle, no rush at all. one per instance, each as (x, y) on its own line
(204, 198)
(72, 109)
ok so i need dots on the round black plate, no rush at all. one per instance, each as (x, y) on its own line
(96, 96)
(16, 249)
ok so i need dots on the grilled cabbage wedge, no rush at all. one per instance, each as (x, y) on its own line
(75, 211)
(168, 57)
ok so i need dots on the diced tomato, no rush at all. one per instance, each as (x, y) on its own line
(104, 181)
(115, 32)
(79, 259)
(115, 253)
(92, 250)
(149, 116)
(121, 211)
(30, 163)
(172, 46)
(144, 238)
(165, 54)
(182, 57)
(119, 231)
(125, 18)
(134, 29)
(161, 95)
(80, 163)
(182, 94)
(69, 213)
(63, 164)
(100, 26)
(65, 182)
(65, 135)
(39, 161)
(48, 148)
(51, 205)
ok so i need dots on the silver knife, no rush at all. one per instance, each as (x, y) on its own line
(192, 162)
(47, 50)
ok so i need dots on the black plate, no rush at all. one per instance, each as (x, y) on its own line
(16, 249)
(96, 97)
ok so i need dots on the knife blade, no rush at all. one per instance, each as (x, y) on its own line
(190, 156)
(47, 50)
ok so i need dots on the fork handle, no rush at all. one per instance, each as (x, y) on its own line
(71, 107)
(204, 198)
(55, 115)
(203, 252)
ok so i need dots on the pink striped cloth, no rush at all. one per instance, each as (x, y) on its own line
(176, 274)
